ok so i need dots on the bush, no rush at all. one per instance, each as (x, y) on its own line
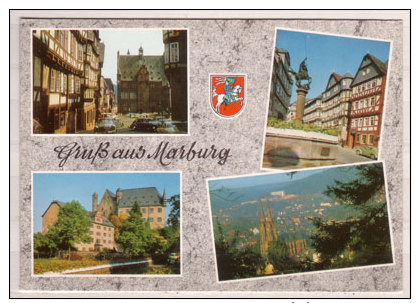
(273, 122)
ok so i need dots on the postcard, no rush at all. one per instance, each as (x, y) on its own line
(117, 81)
(209, 154)
(106, 223)
(327, 97)
(300, 221)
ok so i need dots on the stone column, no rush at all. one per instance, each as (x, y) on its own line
(300, 104)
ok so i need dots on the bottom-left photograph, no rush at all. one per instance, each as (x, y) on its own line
(104, 223)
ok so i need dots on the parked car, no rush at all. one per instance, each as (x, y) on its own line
(140, 123)
(106, 126)
(145, 125)
(368, 151)
(167, 127)
(118, 122)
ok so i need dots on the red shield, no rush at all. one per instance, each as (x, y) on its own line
(227, 94)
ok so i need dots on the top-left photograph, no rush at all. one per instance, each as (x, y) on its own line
(110, 81)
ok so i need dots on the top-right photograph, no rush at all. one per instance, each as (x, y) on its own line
(327, 97)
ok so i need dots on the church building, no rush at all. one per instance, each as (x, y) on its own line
(268, 231)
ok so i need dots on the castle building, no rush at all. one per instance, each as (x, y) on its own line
(176, 60)
(367, 102)
(268, 231)
(101, 229)
(281, 85)
(142, 84)
(66, 71)
(152, 204)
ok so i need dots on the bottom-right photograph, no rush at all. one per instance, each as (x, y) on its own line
(300, 221)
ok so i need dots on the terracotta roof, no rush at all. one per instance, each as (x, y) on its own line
(337, 76)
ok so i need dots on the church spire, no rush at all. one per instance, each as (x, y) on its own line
(262, 216)
(268, 210)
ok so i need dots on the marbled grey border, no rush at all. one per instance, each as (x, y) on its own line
(217, 46)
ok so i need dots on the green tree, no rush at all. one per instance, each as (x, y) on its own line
(278, 256)
(234, 262)
(364, 238)
(72, 226)
(174, 215)
(44, 244)
(135, 235)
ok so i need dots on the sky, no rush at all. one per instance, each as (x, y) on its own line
(260, 179)
(327, 54)
(66, 187)
(128, 39)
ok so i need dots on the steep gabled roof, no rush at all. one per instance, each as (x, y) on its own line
(59, 203)
(105, 221)
(379, 68)
(333, 80)
(129, 65)
(148, 196)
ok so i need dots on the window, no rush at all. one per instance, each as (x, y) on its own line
(151, 220)
(159, 209)
(57, 81)
(174, 52)
(370, 139)
(132, 95)
(144, 219)
(366, 121)
(143, 210)
(166, 53)
(71, 84)
(52, 80)
(363, 139)
(151, 210)
(372, 101)
(372, 120)
(159, 219)
(64, 88)
(77, 85)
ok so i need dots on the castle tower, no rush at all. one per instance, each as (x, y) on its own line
(119, 196)
(94, 202)
(141, 51)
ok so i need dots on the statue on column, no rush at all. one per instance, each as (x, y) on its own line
(302, 75)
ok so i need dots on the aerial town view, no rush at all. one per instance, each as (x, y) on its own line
(110, 81)
(106, 223)
(300, 221)
(327, 99)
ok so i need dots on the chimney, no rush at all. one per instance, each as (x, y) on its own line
(94, 202)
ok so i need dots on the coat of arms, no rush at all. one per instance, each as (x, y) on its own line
(227, 94)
